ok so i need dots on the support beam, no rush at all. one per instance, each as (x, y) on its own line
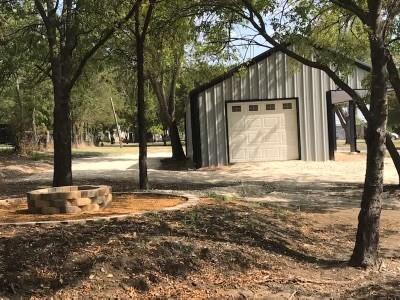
(352, 127)
(331, 125)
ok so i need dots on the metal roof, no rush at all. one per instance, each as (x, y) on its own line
(254, 60)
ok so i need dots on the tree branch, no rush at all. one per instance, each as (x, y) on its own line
(42, 13)
(106, 35)
(352, 7)
(394, 76)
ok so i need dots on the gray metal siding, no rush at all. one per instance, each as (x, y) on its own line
(188, 130)
(274, 77)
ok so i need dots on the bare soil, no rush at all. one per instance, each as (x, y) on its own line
(287, 233)
(13, 166)
(16, 210)
(217, 250)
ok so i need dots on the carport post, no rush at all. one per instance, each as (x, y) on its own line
(352, 126)
(331, 125)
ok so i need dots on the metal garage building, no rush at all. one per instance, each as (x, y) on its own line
(269, 108)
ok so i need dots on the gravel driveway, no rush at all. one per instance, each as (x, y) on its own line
(295, 183)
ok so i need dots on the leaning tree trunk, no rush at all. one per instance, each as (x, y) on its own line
(177, 149)
(62, 137)
(365, 251)
(143, 180)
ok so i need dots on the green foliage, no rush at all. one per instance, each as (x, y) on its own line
(92, 94)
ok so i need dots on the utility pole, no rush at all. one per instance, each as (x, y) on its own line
(116, 122)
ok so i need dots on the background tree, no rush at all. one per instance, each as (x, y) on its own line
(143, 18)
(92, 94)
(166, 55)
(24, 90)
(74, 30)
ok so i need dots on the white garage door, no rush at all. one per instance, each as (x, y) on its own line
(262, 131)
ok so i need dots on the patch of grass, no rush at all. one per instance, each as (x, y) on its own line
(116, 149)
(221, 197)
(40, 156)
(361, 144)
(6, 150)
(76, 153)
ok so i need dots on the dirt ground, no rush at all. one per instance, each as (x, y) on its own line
(16, 210)
(276, 229)
(217, 250)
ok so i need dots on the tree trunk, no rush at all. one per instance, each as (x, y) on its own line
(167, 112)
(394, 76)
(62, 138)
(177, 149)
(34, 128)
(365, 251)
(20, 120)
(143, 180)
(164, 137)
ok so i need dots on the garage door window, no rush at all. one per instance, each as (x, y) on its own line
(253, 107)
(270, 106)
(236, 108)
(287, 106)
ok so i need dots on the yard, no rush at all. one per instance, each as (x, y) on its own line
(282, 229)
(361, 145)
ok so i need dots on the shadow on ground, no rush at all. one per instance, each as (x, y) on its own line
(145, 251)
(45, 260)
(323, 196)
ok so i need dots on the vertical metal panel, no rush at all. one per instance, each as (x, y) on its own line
(204, 131)
(236, 86)
(220, 123)
(308, 90)
(188, 133)
(211, 128)
(303, 109)
(317, 122)
(227, 92)
(244, 88)
(253, 83)
(262, 79)
(280, 78)
(271, 78)
(324, 108)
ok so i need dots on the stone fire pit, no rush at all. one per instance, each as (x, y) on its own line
(69, 199)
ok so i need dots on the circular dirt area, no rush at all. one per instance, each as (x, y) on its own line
(123, 204)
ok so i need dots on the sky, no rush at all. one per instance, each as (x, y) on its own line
(248, 51)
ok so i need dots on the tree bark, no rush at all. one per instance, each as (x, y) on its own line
(177, 149)
(167, 112)
(20, 119)
(365, 251)
(140, 40)
(62, 137)
(394, 76)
